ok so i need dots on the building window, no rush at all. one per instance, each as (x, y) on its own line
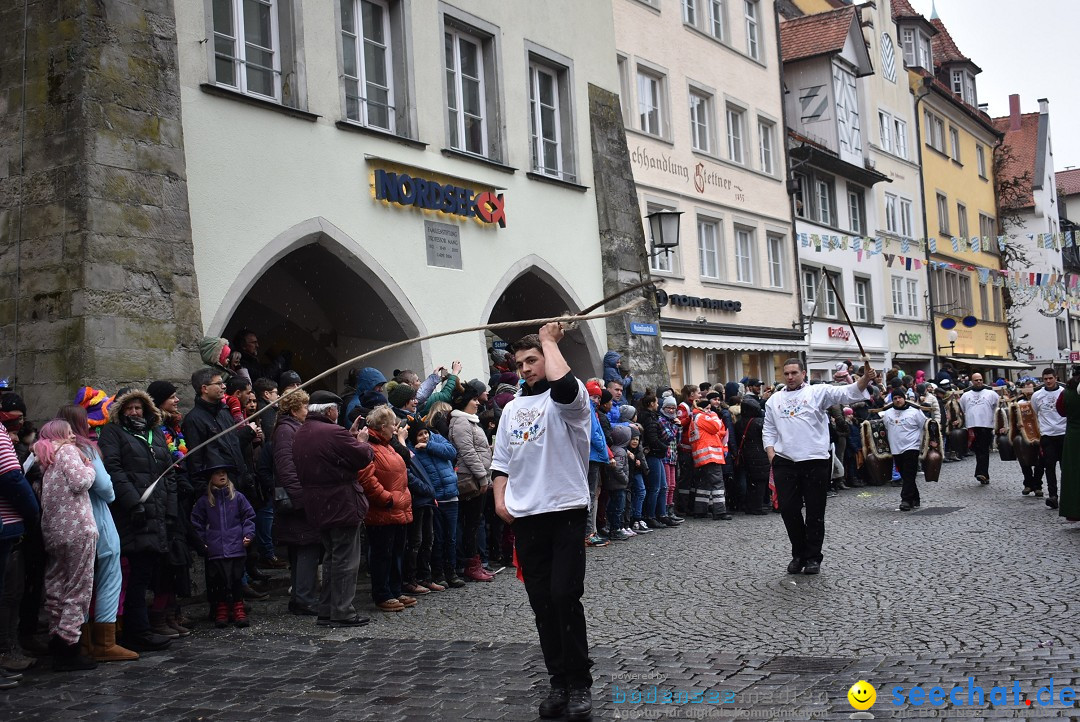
(775, 249)
(860, 304)
(897, 295)
(802, 208)
(813, 281)
(891, 216)
(709, 248)
(961, 220)
(1062, 334)
(368, 63)
(625, 102)
(809, 281)
(984, 303)
(830, 297)
(980, 159)
(550, 121)
(912, 298)
(650, 109)
(753, 39)
(856, 209)
(247, 48)
(954, 144)
(717, 20)
(848, 125)
(736, 131)
(823, 196)
(935, 131)
(888, 58)
(886, 124)
(952, 291)
(744, 255)
(963, 84)
(765, 137)
(943, 214)
(906, 224)
(701, 121)
(917, 50)
(689, 11)
(988, 231)
(666, 261)
(466, 94)
(900, 128)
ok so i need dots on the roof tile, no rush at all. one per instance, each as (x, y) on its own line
(1068, 181)
(813, 35)
(1024, 144)
(944, 47)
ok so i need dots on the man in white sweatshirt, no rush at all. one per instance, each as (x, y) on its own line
(979, 404)
(904, 425)
(796, 438)
(1052, 430)
(540, 475)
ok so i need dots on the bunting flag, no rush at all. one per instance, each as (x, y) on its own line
(976, 244)
(879, 245)
(984, 276)
(817, 241)
(932, 244)
(1036, 239)
(856, 244)
(858, 256)
(905, 246)
(955, 244)
(907, 263)
(1068, 239)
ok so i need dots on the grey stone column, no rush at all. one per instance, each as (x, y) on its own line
(97, 276)
(622, 242)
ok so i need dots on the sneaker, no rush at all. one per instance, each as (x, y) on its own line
(1038, 493)
(1027, 490)
(628, 531)
(619, 535)
(641, 528)
(676, 518)
(596, 541)
(1052, 502)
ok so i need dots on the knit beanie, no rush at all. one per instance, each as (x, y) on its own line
(160, 392)
(627, 413)
(605, 397)
(399, 394)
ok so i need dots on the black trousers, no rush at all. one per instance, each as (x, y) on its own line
(984, 437)
(418, 551)
(472, 514)
(1052, 448)
(552, 560)
(1033, 475)
(225, 580)
(140, 574)
(907, 463)
(799, 483)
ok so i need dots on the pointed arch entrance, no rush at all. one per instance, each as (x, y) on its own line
(317, 293)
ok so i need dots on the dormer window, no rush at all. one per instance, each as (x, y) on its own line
(963, 84)
(917, 50)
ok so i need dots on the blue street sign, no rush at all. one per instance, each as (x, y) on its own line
(644, 329)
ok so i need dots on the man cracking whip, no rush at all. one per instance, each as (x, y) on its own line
(540, 472)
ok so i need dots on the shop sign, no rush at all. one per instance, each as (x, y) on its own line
(1074, 356)
(907, 338)
(840, 332)
(676, 299)
(644, 329)
(406, 190)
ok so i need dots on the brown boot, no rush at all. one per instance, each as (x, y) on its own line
(104, 647)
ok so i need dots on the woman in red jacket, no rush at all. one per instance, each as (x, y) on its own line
(386, 484)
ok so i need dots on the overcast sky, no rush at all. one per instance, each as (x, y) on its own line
(1023, 48)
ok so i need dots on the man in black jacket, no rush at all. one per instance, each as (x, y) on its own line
(208, 418)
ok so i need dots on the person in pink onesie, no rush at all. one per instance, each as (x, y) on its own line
(70, 534)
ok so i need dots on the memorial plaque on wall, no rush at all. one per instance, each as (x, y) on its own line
(443, 244)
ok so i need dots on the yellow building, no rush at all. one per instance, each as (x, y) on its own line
(956, 147)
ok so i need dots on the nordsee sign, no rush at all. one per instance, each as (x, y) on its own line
(643, 329)
(406, 190)
(663, 298)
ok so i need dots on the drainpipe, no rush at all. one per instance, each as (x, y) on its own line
(926, 231)
(788, 180)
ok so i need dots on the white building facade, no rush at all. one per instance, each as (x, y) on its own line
(366, 171)
(702, 106)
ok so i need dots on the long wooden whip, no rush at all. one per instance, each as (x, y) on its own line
(583, 315)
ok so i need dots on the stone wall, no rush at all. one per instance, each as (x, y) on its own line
(97, 278)
(622, 242)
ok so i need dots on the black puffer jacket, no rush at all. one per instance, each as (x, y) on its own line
(134, 462)
(654, 436)
(752, 455)
(204, 421)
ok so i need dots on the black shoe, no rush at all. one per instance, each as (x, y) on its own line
(1052, 502)
(982, 479)
(795, 566)
(322, 622)
(854, 484)
(253, 593)
(555, 705)
(917, 504)
(722, 515)
(654, 524)
(905, 506)
(256, 576)
(146, 642)
(302, 611)
(455, 582)
(70, 658)
(579, 706)
(830, 494)
(812, 567)
(667, 522)
(350, 622)
(676, 518)
(756, 512)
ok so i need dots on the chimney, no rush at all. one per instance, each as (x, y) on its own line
(1044, 106)
(1014, 112)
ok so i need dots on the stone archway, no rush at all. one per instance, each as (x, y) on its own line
(316, 292)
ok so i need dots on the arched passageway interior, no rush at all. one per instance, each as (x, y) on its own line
(532, 296)
(318, 306)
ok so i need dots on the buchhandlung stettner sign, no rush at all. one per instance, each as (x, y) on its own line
(443, 244)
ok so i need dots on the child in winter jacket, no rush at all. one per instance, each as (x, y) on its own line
(418, 579)
(618, 478)
(70, 534)
(436, 458)
(225, 523)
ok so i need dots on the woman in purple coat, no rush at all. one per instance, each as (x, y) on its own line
(225, 523)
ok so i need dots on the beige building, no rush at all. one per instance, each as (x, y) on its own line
(700, 84)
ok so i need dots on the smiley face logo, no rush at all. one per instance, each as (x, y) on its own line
(862, 695)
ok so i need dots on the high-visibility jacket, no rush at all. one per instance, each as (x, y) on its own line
(708, 438)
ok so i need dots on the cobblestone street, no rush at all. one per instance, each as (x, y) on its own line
(980, 582)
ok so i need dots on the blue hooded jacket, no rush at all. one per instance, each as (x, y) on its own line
(366, 380)
(598, 450)
(611, 373)
(437, 461)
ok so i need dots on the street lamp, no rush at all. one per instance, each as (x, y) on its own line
(953, 335)
(664, 229)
